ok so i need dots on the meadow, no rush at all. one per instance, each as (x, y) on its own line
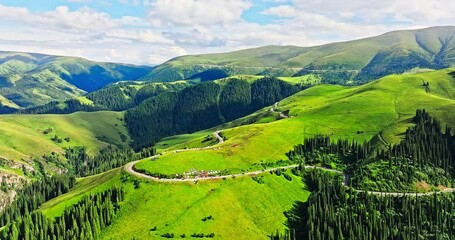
(239, 208)
(361, 113)
(23, 136)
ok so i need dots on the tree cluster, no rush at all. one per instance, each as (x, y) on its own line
(109, 158)
(84, 220)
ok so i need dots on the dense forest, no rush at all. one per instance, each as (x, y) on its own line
(84, 220)
(202, 106)
(336, 212)
(30, 197)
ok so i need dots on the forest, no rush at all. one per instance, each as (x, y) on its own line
(200, 107)
(33, 195)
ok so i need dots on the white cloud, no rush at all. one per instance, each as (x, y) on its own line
(83, 19)
(176, 27)
(198, 12)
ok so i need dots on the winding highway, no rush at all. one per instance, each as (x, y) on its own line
(129, 167)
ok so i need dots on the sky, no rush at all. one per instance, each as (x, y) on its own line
(149, 32)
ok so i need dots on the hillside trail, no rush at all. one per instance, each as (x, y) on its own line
(129, 167)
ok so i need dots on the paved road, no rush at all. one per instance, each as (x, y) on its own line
(130, 169)
(217, 135)
(273, 109)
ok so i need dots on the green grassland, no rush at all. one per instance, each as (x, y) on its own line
(22, 135)
(241, 207)
(359, 113)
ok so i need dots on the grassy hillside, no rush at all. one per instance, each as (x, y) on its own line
(385, 106)
(345, 62)
(23, 136)
(29, 79)
(180, 208)
(244, 206)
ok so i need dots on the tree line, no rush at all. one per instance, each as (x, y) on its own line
(200, 107)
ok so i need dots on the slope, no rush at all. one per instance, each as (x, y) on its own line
(358, 113)
(25, 137)
(345, 62)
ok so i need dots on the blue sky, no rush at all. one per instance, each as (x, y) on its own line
(152, 31)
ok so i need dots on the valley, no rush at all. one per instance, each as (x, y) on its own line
(350, 140)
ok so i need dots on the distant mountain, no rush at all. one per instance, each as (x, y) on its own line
(28, 79)
(349, 62)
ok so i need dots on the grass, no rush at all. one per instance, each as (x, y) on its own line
(22, 135)
(358, 113)
(239, 207)
(242, 206)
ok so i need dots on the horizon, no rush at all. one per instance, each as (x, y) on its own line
(150, 32)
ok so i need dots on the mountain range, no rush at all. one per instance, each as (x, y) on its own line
(30, 80)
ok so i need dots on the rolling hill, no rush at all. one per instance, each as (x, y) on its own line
(26, 138)
(380, 110)
(29, 79)
(349, 62)
(384, 107)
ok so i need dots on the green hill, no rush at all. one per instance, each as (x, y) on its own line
(181, 208)
(29, 79)
(382, 107)
(253, 207)
(25, 138)
(349, 62)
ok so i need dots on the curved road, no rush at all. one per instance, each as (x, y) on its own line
(129, 167)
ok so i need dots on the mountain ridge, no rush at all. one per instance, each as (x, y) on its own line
(353, 62)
